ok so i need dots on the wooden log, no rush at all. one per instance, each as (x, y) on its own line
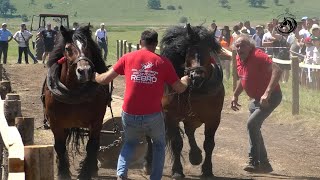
(12, 108)
(5, 88)
(118, 50)
(129, 47)
(121, 48)
(39, 164)
(25, 126)
(124, 46)
(295, 85)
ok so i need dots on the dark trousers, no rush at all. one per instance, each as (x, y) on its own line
(25, 51)
(4, 49)
(104, 46)
(32, 56)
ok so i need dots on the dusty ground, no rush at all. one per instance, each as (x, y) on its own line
(294, 151)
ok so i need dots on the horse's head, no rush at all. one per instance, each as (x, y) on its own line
(197, 58)
(77, 52)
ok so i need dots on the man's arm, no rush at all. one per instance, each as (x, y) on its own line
(181, 85)
(11, 37)
(234, 101)
(105, 78)
(275, 77)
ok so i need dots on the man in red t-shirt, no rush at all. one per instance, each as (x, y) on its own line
(146, 74)
(259, 77)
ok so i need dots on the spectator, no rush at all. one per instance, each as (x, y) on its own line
(216, 31)
(236, 32)
(261, 84)
(225, 43)
(142, 112)
(315, 30)
(268, 39)
(316, 51)
(251, 31)
(49, 37)
(5, 38)
(257, 37)
(22, 37)
(304, 32)
(240, 24)
(306, 77)
(102, 39)
(75, 26)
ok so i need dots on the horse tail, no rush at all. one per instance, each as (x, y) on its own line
(75, 138)
(173, 137)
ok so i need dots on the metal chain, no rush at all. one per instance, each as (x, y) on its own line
(115, 143)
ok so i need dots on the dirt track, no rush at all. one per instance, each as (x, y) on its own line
(294, 152)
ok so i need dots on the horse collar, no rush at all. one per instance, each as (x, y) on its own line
(62, 60)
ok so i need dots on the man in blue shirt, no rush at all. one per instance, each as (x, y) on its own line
(5, 38)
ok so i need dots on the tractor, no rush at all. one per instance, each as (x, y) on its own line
(56, 20)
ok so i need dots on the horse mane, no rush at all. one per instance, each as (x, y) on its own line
(84, 35)
(175, 43)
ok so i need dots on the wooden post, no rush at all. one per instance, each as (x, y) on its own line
(234, 70)
(12, 108)
(39, 162)
(138, 46)
(25, 125)
(1, 67)
(129, 47)
(118, 50)
(295, 85)
(5, 88)
(124, 46)
(121, 48)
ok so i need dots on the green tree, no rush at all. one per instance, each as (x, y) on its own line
(6, 7)
(276, 2)
(154, 4)
(256, 3)
(224, 3)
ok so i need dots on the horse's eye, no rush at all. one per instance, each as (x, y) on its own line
(68, 49)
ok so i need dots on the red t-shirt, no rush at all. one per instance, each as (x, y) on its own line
(146, 74)
(255, 73)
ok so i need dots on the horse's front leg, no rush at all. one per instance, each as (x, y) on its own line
(208, 147)
(89, 166)
(195, 156)
(60, 137)
(148, 158)
(176, 144)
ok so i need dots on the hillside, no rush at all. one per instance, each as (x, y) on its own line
(135, 12)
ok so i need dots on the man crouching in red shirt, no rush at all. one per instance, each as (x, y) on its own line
(145, 73)
(259, 77)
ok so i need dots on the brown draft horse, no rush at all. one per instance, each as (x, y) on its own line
(72, 101)
(190, 50)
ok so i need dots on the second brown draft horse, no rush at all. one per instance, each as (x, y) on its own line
(72, 101)
(191, 50)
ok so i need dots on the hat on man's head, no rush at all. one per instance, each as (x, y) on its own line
(244, 30)
(102, 24)
(259, 26)
(314, 26)
(304, 18)
(22, 24)
(4, 24)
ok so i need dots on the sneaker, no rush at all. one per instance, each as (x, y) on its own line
(265, 167)
(252, 166)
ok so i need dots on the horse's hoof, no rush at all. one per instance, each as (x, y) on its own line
(177, 176)
(207, 176)
(147, 169)
(195, 156)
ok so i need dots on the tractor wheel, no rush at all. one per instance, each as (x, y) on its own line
(39, 48)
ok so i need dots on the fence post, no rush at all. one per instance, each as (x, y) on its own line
(12, 108)
(39, 162)
(5, 88)
(129, 47)
(138, 46)
(25, 125)
(234, 70)
(124, 46)
(121, 48)
(295, 85)
(118, 50)
(1, 67)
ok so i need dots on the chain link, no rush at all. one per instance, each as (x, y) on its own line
(115, 143)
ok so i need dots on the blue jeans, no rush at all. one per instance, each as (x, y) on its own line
(104, 46)
(257, 149)
(135, 128)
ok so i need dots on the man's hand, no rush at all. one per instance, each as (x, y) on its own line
(264, 100)
(234, 103)
(94, 75)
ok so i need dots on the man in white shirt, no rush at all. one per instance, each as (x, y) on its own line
(22, 37)
(102, 39)
(268, 39)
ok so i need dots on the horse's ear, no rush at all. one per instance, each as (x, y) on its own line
(189, 30)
